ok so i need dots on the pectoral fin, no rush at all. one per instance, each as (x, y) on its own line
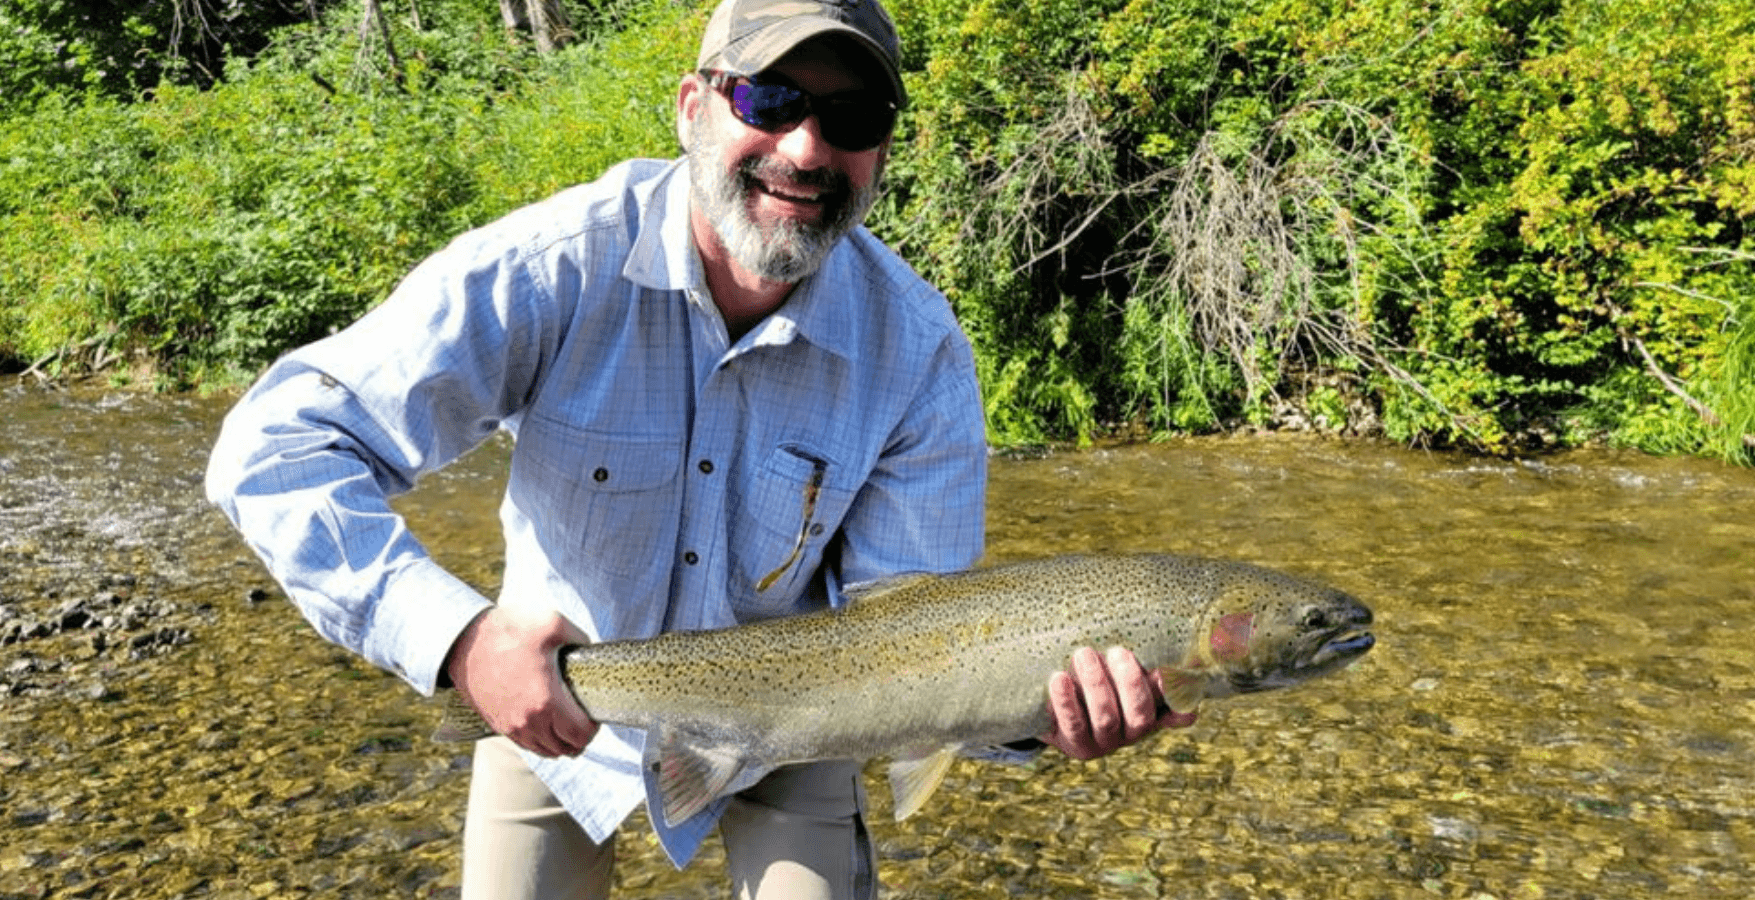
(461, 722)
(913, 780)
(1184, 690)
(689, 776)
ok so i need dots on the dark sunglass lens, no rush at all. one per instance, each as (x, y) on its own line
(856, 126)
(768, 106)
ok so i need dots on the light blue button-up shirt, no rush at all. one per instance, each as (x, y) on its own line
(659, 471)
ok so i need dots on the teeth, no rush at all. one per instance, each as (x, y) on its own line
(806, 196)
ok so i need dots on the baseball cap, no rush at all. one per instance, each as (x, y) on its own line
(746, 36)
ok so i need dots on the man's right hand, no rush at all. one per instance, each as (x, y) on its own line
(506, 664)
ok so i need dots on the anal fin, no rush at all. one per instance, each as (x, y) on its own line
(913, 780)
(690, 776)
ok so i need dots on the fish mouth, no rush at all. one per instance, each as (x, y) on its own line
(1342, 649)
(1348, 640)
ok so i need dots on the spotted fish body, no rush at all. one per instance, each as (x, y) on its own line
(918, 667)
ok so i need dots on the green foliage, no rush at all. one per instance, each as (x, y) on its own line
(214, 229)
(1511, 222)
(1600, 255)
(50, 47)
(1158, 172)
(582, 111)
(117, 49)
(1491, 223)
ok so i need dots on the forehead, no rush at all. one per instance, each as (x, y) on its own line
(828, 65)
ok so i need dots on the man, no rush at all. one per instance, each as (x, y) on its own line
(728, 400)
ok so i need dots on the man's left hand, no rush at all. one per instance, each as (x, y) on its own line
(1102, 703)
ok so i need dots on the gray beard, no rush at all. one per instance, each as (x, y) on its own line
(788, 251)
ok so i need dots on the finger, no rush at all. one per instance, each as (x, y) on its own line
(573, 727)
(535, 729)
(566, 744)
(549, 741)
(1135, 693)
(1102, 707)
(574, 730)
(569, 635)
(1173, 719)
(569, 726)
(535, 739)
(1072, 730)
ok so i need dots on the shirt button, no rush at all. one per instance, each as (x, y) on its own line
(691, 558)
(601, 474)
(706, 467)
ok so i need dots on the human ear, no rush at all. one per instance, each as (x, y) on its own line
(690, 94)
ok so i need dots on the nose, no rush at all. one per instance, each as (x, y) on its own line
(804, 146)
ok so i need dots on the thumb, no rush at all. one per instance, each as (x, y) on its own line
(571, 635)
(549, 629)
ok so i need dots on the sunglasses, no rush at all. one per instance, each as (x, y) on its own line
(853, 121)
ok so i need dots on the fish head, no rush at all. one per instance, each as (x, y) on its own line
(1270, 630)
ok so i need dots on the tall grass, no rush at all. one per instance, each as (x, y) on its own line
(207, 231)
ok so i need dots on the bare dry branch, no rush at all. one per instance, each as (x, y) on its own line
(1670, 382)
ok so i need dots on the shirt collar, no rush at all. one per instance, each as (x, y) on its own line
(662, 255)
(822, 308)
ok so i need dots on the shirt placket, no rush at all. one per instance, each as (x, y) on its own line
(698, 586)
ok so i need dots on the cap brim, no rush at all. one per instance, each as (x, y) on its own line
(765, 48)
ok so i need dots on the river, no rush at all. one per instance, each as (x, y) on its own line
(1561, 703)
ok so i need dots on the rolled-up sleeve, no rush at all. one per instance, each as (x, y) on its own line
(295, 470)
(305, 464)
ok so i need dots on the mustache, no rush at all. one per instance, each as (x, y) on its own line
(754, 169)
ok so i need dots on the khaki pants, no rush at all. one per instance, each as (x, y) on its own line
(799, 834)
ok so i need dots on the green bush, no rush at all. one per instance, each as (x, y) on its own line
(1494, 224)
(214, 229)
(1614, 247)
(1475, 222)
(116, 49)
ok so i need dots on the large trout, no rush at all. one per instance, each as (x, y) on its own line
(918, 667)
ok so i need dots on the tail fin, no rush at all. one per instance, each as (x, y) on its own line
(461, 721)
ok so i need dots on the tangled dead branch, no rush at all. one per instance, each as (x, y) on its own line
(1259, 246)
(1250, 250)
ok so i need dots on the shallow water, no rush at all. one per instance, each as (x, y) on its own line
(1561, 702)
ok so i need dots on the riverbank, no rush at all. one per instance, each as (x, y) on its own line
(169, 727)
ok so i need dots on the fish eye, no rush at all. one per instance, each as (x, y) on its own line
(1315, 619)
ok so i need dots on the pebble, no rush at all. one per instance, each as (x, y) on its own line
(1450, 829)
(110, 617)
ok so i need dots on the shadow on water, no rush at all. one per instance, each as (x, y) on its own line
(1561, 703)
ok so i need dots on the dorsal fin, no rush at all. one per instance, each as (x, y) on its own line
(866, 590)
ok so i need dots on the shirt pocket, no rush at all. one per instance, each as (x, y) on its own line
(602, 503)
(786, 520)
